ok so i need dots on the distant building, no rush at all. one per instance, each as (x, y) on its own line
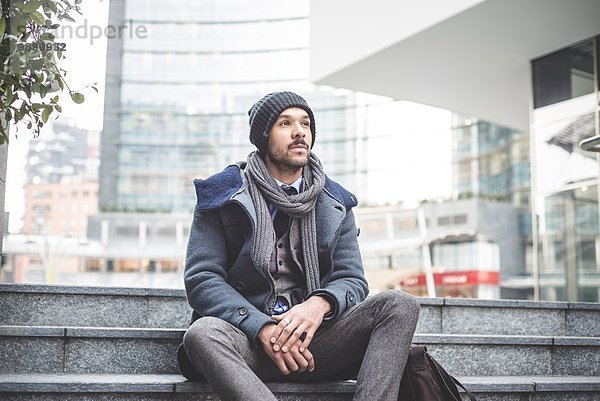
(472, 247)
(122, 249)
(60, 209)
(61, 192)
(178, 110)
(492, 162)
(62, 181)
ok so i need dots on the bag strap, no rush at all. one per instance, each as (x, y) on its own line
(447, 378)
(471, 396)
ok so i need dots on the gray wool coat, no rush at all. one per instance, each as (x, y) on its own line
(221, 280)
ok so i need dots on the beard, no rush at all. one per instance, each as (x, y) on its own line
(285, 161)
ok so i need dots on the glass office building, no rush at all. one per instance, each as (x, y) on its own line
(492, 162)
(177, 96)
(566, 104)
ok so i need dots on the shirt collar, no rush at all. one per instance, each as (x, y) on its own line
(296, 184)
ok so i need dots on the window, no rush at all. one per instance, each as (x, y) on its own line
(460, 219)
(36, 193)
(443, 221)
(127, 231)
(563, 75)
(452, 220)
(41, 209)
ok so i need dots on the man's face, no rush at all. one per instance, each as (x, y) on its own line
(290, 140)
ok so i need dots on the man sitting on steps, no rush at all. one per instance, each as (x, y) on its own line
(274, 274)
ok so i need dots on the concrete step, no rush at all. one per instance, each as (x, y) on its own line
(152, 351)
(26, 387)
(44, 305)
(48, 305)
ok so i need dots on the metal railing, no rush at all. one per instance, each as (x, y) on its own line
(591, 144)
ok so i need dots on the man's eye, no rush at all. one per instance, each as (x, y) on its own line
(306, 123)
(285, 122)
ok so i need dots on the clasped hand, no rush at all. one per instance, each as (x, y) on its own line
(282, 342)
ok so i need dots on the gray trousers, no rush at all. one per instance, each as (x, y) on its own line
(371, 339)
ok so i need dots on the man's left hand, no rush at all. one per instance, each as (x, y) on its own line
(302, 318)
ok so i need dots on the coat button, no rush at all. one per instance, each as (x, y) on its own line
(280, 263)
(242, 311)
(275, 276)
(240, 286)
(280, 245)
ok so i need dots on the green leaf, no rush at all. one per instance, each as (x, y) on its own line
(9, 95)
(31, 5)
(2, 27)
(17, 25)
(46, 113)
(37, 18)
(55, 99)
(77, 97)
(58, 108)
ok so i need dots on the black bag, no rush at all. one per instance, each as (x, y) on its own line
(424, 379)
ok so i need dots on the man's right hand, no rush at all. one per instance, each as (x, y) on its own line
(287, 362)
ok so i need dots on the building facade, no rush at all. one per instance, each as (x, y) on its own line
(540, 76)
(566, 104)
(176, 110)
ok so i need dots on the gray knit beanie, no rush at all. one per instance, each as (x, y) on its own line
(265, 112)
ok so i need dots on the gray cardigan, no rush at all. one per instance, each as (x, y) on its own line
(220, 277)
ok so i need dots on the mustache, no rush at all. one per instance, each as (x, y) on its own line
(300, 142)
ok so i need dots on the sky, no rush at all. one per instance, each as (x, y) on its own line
(409, 155)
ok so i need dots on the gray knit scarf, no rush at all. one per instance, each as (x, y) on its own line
(263, 188)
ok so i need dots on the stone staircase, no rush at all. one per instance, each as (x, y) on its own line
(87, 343)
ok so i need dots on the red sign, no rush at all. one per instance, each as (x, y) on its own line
(469, 277)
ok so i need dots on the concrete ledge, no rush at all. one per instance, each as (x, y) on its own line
(85, 383)
(431, 301)
(175, 293)
(128, 383)
(31, 331)
(482, 339)
(578, 341)
(584, 305)
(90, 290)
(72, 290)
(159, 334)
(48, 305)
(507, 303)
(106, 332)
(152, 351)
(166, 292)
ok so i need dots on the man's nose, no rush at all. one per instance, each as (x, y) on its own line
(299, 130)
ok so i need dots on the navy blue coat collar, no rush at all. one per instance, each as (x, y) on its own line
(218, 189)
